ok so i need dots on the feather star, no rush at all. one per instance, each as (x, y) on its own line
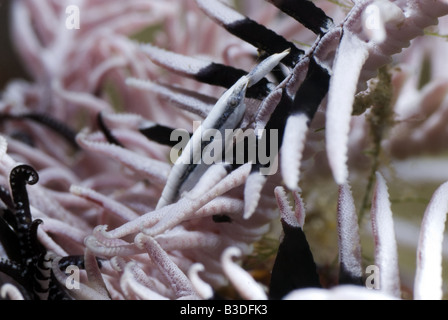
(139, 227)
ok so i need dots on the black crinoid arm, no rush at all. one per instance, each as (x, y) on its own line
(27, 263)
(19, 231)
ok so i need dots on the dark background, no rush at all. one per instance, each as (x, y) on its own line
(10, 66)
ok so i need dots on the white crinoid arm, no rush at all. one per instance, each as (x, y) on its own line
(372, 32)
